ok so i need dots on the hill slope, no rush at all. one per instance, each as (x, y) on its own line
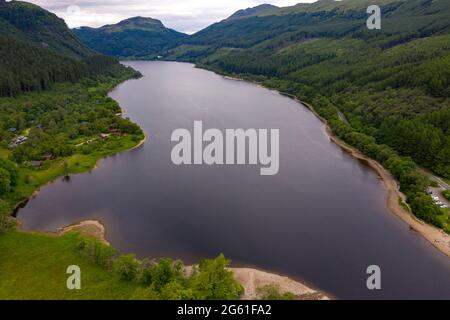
(325, 18)
(37, 49)
(252, 11)
(134, 38)
(30, 23)
(392, 85)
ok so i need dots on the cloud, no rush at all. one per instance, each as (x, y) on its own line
(183, 15)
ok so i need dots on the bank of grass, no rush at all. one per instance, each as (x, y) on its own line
(33, 266)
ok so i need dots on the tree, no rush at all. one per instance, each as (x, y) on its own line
(127, 267)
(5, 181)
(165, 271)
(272, 292)
(211, 281)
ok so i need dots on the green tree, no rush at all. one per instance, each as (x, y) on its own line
(272, 292)
(127, 267)
(165, 271)
(211, 281)
(5, 181)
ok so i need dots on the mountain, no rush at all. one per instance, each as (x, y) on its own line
(37, 49)
(30, 23)
(392, 85)
(252, 11)
(386, 92)
(326, 18)
(134, 38)
(329, 5)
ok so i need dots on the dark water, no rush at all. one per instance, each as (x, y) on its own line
(322, 219)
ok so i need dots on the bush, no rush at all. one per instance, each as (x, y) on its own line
(145, 276)
(100, 253)
(425, 209)
(165, 271)
(211, 281)
(7, 223)
(272, 292)
(446, 194)
(127, 267)
(5, 181)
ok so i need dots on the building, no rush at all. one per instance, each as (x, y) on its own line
(36, 164)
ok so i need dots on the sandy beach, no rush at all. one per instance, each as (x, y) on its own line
(250, 279)
(435, 236)
(88, 228)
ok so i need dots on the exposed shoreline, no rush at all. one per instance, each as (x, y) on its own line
(437, 237)
(251, 279)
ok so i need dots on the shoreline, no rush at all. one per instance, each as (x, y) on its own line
(140, 144)
(250, 278)
(437, 237)
(21, 204)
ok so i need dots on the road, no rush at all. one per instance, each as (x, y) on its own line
(439, 181)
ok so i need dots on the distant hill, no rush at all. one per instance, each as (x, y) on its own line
(326, 18)
(329, 5)
(252, 11)
(34, 25)
(134, 38)
(393, 83)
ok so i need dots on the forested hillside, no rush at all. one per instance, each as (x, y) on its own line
(392, 85)
(134, 38)
(37, 50)
(252, 11)
(30, 23)
(53, 104)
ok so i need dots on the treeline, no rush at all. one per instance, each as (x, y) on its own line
(419, 18)
(404, 169)
(166, 279)
(55, 119)
(9, 175)
(26, 68)
(133, 43)
(399, 95)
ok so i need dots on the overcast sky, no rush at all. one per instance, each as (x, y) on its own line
(183, 15)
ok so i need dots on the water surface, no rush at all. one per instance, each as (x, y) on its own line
(322, 219)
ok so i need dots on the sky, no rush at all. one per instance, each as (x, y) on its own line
(186, 16)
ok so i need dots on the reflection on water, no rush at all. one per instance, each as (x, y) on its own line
(323, 218)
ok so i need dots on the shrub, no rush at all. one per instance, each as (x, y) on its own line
(127, 267)
(446, 194)
(100, 253)
(272, 292)
(211, 281)
(7, 223)
(165, 271)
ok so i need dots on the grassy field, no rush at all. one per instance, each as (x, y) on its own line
(33, 266)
